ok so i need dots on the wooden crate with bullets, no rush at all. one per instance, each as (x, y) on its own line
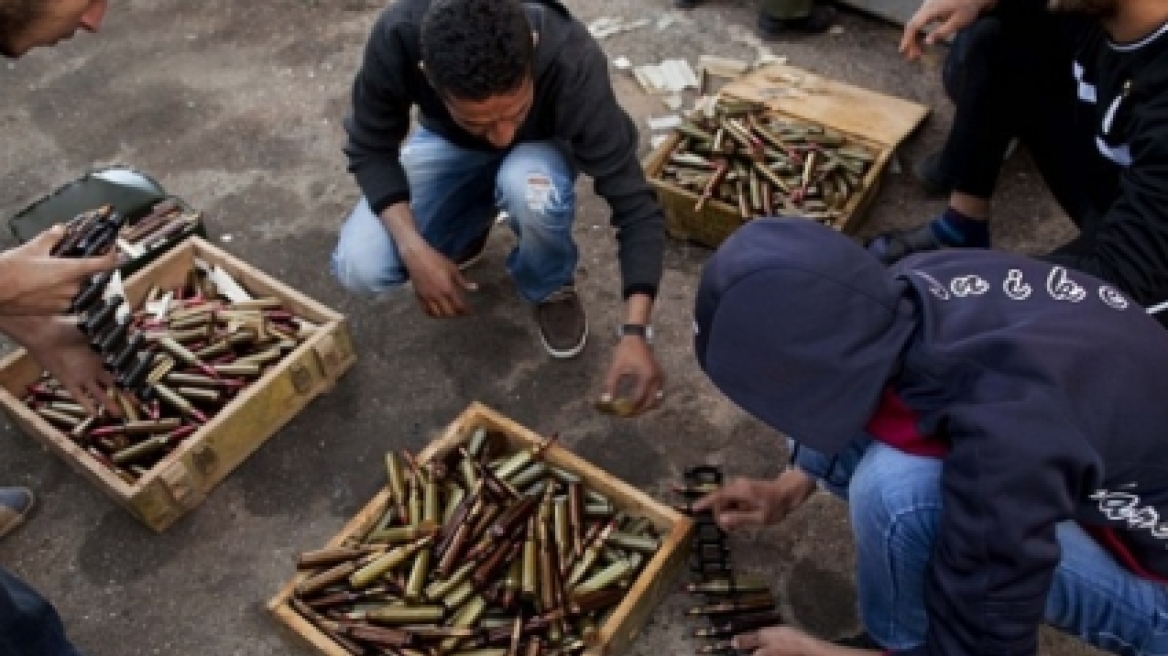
(778, 142)
(212, 357)
(493, 541)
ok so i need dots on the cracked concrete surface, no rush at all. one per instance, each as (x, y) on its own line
(236, 107)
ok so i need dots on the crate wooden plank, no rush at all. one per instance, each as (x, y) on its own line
(805, 95)
(651, 585)
(181, 481)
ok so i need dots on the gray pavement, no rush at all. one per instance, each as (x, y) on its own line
(236, 107)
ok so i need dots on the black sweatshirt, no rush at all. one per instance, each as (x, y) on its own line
(1123, 95)
(574, 104)
(1046, 384)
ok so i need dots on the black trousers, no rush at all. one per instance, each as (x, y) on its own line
(1011, 76)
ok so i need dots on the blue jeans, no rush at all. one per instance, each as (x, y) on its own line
(454, 193)
(29, 626)
(895, 502)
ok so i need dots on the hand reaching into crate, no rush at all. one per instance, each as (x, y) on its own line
(37, 283)
(56, 344)
(752, 502)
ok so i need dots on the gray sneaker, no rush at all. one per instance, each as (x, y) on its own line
(563, 328)
(15, 504)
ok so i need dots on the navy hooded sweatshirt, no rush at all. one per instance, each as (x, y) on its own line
(1048, 387)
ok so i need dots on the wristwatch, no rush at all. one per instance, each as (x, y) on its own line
(636, 329)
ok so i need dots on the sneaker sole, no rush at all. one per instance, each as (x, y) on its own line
(16, 520)
(570, 353)
(12, 526)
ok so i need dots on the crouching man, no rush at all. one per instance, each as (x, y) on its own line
(996, 424)
(513, 100)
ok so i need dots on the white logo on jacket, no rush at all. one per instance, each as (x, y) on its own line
(1125, 507)
(969, 286)
(1113, 298)
(1015, 287)
(1061, 288)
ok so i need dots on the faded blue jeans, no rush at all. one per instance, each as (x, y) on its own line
(895, 502)
(454, 193)
(29, 626)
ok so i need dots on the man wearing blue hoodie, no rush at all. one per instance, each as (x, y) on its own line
(968, 406)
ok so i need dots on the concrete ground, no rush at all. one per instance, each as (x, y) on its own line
(236, 107)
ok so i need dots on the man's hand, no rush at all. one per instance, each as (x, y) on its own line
(437, 282)
(60, 348)
(36, 283)
(750, 502)
(634, 379)
(789, 641)
(953, 15)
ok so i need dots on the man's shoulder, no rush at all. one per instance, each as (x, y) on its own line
(565, 44)
(402, 16)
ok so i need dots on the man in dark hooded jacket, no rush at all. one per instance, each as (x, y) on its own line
(997, 424)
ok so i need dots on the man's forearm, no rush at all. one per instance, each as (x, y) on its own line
(398, 220)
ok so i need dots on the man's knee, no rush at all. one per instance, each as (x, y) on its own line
(972, 56)
(362, 273)
(532, 185)
(894, 492)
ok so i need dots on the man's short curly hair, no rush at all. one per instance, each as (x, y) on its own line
(476, 49)
(15, 17)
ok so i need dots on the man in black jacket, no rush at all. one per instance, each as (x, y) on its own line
(1083, 84)
(513, 99)
(995, 422)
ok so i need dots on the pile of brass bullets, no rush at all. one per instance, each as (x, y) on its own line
(763, 165)
(177, 361)
(97, 231)
(486, 553)
(735, 605)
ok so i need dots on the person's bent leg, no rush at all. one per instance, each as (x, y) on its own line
(365, 259)
(450, 197)
(536, 187)
(1097, 600)
(1002, 73)
(895, 504)
(776, 17)
(896, 507)
(29, 625)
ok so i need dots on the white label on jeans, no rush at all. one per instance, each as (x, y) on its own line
(539, 193)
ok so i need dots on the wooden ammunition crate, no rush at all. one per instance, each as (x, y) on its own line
(875, 121)
(181, 481)
(646, 592)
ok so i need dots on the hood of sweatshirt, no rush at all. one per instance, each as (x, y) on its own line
(802, 328)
